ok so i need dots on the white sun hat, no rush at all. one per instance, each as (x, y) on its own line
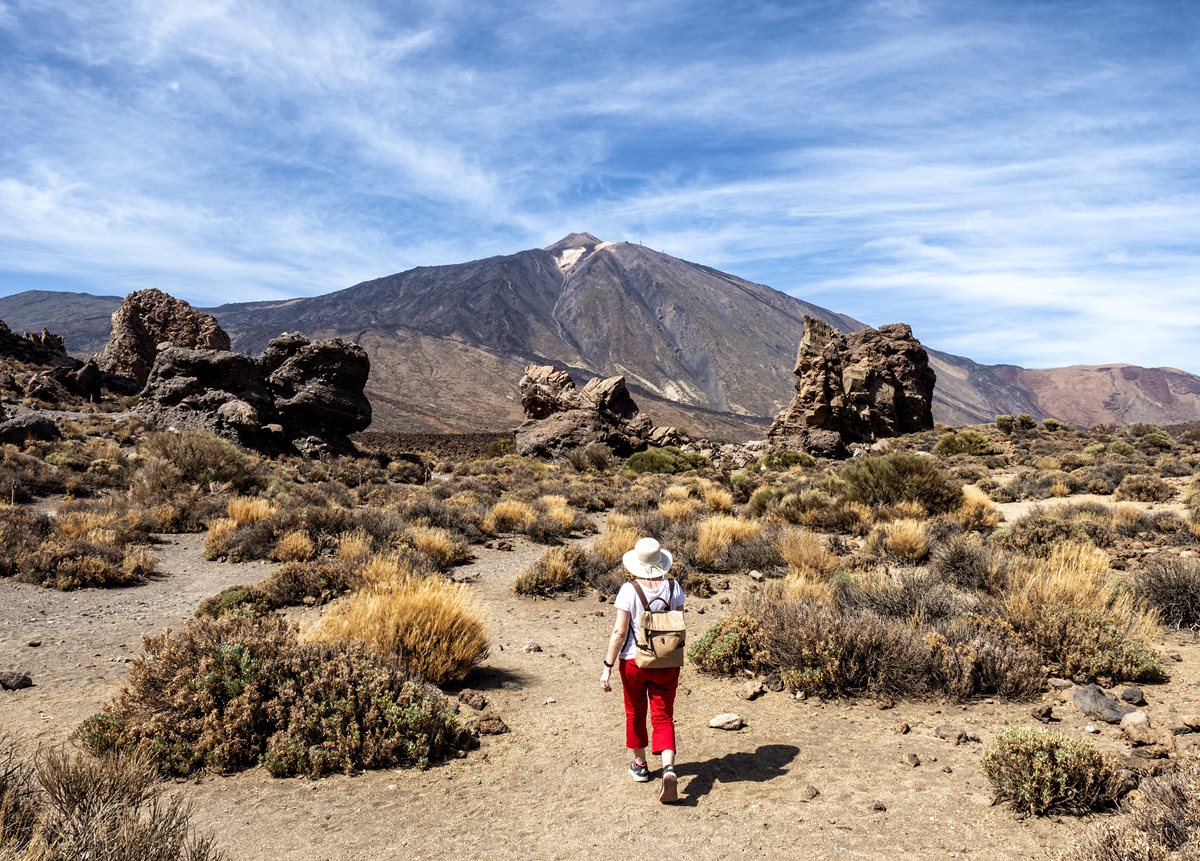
(647, 559)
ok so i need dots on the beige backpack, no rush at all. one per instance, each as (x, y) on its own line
(661, 637)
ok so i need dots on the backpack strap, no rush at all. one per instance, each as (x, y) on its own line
(642, 595)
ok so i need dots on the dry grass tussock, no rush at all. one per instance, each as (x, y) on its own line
(442, 548)
(354, 545)
(293, 546)
(977, 511)
(679, 510)
(556, 570)
(806, 553)
(66, 806)
(249, 509)
(509, 515)
(718, 499)
(717, 534)
(558, 511)
(618, 538)
(906, 540)
(434, 627)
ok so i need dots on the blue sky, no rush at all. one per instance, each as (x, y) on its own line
(1019, 181)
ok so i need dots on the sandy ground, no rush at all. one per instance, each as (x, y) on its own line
(556, 787)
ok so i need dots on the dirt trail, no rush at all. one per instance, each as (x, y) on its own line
(556, 786)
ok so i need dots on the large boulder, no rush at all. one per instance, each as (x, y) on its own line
(148, 318)
(855, 388)
(299, 395)
(560, 417)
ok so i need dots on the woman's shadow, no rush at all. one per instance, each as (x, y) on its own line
(758, 766)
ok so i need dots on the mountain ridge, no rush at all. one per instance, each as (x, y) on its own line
(701, 347)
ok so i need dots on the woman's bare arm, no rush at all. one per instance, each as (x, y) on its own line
(615, 640)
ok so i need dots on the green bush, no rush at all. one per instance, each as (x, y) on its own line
(962, 442)
(900, 477)
(1006, 423)
(1043, 772)
(228, 693)
(780, 460)
(1026, 422)
(203, 459)
(1120, 448)
(667, 460)
(727, 647)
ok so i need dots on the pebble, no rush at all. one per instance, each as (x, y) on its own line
(879, 807)
(549, 701)
(33, 644)
(531, 647)
(913, 760)
(1091, 728)
(1059, 684)
(1133, 695)
(809, 792)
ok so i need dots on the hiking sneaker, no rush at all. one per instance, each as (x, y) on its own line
(639, 771)
(670, 786)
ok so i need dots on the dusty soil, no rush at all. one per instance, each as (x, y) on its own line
(555, 787)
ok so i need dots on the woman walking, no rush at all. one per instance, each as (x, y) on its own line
(645, 690)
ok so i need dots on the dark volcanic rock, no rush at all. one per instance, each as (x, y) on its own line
(20, 429)
(15, 681)
(148, 318)
(561, 417)
(300, 395)
(1098, 705)
(867, 385)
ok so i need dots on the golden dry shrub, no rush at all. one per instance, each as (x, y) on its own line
(354, 545)
(442, 548)
(677, 492)
(1059, 488)
(293, 546)
(907, 540)
(806, 553)
(718, 499)
(977, 510)
(80, 525)
(138, 563)
(554, 571)
(1126, 516)
(508, 515)
(618, 538)
(249, 509)
(716, 534)
(433, 626)
(377, 570)
(907, 509)
(679, 510)
(217, 540)
(558, 511)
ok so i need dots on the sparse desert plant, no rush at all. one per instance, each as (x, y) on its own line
(80, 564)
(777, 461)
(1055, 425)
(558, 511)
(1006, 423)
(1143, 488)
(731, 645)
(509, 515)
(1171, 585)
(203, 459)
(717, 499)
(717, 535)
(71, 806)
(1026, 422)
(617, 538)
(433, 626)
(243, 510)
(968, 563)
(977, 511)
(899, 477)
(906, 540)
(443, 549)
(227, 693)
(1160, 822)
(962, 442)
(917, 598)
(677, 510)
(293, 546)
(1042, 772)
(354, 545)
(981, 655)
(807, 553)
(667, 460)
(558, 569)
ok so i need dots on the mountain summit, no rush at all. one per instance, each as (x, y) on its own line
(699, 348)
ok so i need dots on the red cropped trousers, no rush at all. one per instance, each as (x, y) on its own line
(653, 689)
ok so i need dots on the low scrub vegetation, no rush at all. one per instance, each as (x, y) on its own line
(1161, 821)
(1043, 772)
(232, 692)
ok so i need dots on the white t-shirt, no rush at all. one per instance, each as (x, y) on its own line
(627, 600)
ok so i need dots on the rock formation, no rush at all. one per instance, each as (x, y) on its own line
(148, 318)
(560, 417)
(299, 395)
(38, 367)
(855, 388)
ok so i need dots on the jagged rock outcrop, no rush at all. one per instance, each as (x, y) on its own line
(855, 388)
(37, 366)
(560, 417)
(299, 395)
(148, 318)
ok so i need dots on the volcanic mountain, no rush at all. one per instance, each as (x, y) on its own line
(700, 348)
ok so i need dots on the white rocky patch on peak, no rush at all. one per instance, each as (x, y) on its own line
(568, 257)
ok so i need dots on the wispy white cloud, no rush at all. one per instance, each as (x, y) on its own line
(1018, 186)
